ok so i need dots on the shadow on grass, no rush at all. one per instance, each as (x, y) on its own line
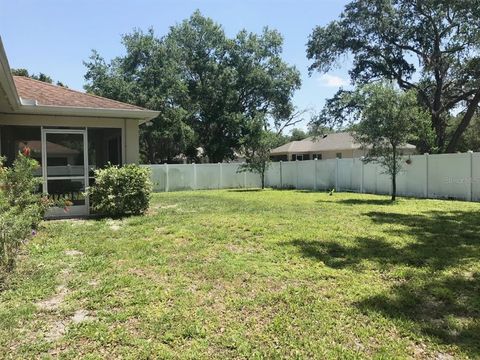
(360, 201)
(440, 294)
(245, 190)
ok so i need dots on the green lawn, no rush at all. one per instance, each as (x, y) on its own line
(250, 274)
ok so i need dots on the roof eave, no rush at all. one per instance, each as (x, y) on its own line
(6, 80)
(141, 115)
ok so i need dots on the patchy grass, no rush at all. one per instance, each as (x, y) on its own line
(232, 274)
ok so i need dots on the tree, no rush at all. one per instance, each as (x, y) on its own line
(388, 118)
(298, 134)
(428, 46)
(148, 75)
(470, 139)
(256, 147)
(40, 77)
(231, 82)
(205, 85)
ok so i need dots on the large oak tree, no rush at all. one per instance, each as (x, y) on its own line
(430, 46)
(208, 87)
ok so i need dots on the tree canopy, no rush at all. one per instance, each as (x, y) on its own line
(208, 87)
(429, 46)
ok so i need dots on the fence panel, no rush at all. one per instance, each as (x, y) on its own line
(448, 176)
(273, 176)
(289, 174)
(158, 177)
(326, 174)
(208, 176)
(345, 169)
(306, 174)
(181, 177)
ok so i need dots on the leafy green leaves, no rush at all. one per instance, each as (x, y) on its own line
(208, 87)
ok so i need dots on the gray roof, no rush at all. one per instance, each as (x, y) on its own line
(331, 142)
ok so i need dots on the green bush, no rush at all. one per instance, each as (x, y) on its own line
(121, 191)
(22, 207)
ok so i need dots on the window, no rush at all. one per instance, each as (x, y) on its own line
(318, 156)
(297, 157)
(277, 158)
(339, 155)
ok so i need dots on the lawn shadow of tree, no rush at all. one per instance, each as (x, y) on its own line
(441, 296)
(359, 201)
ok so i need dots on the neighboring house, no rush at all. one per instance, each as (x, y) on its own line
(69, 132)
(330, 146)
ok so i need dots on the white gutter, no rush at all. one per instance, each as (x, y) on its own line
(141, 115)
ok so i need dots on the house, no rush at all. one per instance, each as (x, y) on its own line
(69, 132)
(331, 146)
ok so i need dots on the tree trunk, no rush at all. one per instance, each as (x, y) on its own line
(262, 175)
(394, 174)
(472, 108)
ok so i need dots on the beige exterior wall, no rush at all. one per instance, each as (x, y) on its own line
(332, 154)
(130, 132)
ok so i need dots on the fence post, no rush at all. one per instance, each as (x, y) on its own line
(194, 176)
(220, 175)
(315, 175)
(426, 175)
(336, 174)
(296, 171)
(470, 187)
(281, 175)
(166, 178)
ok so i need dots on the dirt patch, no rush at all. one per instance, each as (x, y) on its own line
(114, 225)
(73, 253)
(57, 330)
(81, 316)
(55, 301)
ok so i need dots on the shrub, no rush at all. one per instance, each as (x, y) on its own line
(22, 207)
(121, 191)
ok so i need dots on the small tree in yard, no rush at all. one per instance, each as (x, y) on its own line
(389, 119)
(257, 148)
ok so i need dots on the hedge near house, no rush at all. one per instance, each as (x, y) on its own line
(121, 191)
(22, 206)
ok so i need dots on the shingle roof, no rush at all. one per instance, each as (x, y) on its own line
(331, 142)
(53, 95)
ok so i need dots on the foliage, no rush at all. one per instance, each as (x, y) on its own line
(427, 46)
(208, 87)
(21, 206)
(40, 77)
(119, 191)
(256, 147)
(298, 134)
(470, 139)
(222, 274)
(388, 120)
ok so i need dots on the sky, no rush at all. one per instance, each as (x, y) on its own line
(56, 36)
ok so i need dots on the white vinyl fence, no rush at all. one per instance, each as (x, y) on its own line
(455, 176)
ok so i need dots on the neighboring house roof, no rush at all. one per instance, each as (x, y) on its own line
(53, 148)
(329, 142)
(53, 95)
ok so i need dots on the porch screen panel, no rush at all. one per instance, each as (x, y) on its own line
(15, 139)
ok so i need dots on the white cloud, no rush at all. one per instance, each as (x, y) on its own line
(332, 80)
